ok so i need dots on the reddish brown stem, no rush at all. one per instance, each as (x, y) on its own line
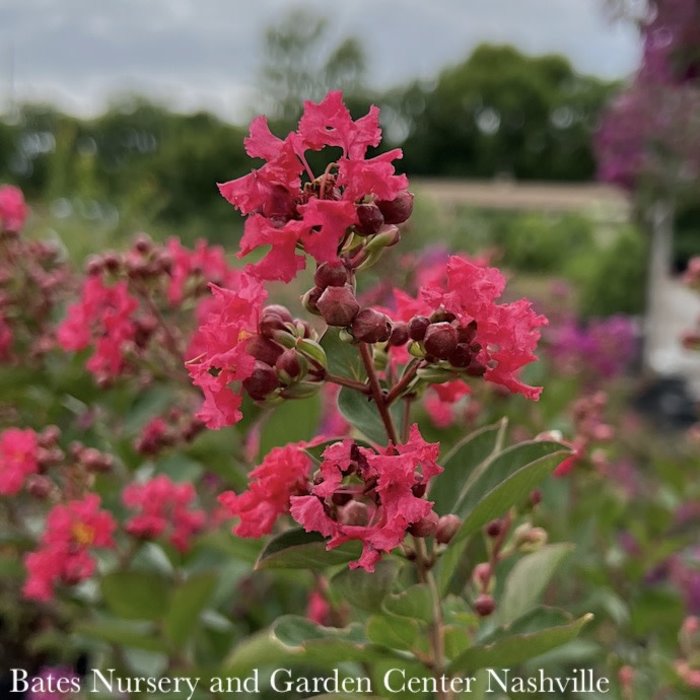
(378, 394)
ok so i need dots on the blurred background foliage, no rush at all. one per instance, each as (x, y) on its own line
(497, 114)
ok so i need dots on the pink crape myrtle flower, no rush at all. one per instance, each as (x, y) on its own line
(283, 472)
(206, 261)
(104, 318)
(72, 529)
(13, 209)
(504, 336)
(164, 509)
(290, 215)
(441, 399)
(370, 496)
(218, 353)
(18, 458)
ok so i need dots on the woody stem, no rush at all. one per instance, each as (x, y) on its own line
(378, 394)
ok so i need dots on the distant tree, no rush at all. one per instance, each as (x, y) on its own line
(502, 112)
(301, 63)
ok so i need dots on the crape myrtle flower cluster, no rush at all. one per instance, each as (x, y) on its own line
(452, 331)
(127, 311)
(455, 324)
(33, 279)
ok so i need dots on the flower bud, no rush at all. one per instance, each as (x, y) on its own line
(530, 539)
(417, 327)
(49, 435)
(274, 318)
(484, 605)
(461, 356)
(310, 300)
(440, 340)
(39, 486)
(476, 369)
(331, 274)
(441, 315)
(354, 513)
(388, 236)
(263, 349)
(262, 382)
(494, 528)
(447, 528)
(371, 326)
(466, 334)
(399, 334)
(288, 365)
(143, 244)
(482, 575)
(370, 219)
(338, 306)
(397, 210)
(425, 527)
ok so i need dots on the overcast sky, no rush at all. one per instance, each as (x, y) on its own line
(205, 53)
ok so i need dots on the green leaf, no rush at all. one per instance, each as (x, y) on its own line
(143, 636)
(504, 482)
(461, 462)
(501, 467)
(415, 602)
(528, 580)
(188, 601)
(136, 595)
(392, 632)
(361, 412)
(290, 421)
(297, 549)
(364, 590)
(515, 649)
(294, 630)
(343, 358)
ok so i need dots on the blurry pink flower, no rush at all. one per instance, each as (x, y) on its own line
(13, 209)
(18, 458)
(164, 508)
(71, 530)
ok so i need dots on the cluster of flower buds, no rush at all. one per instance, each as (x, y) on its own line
(24, 457)
(591, 431)
(289, 362)
(33, 278)
(175, 428)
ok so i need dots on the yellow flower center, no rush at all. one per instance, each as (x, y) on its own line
(83, 534)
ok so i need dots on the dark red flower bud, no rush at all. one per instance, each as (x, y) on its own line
(461, 356)
(442, 315)
(111, 262)
(341, 498)
(371, 326)
(49, 435)
(476, 369)
(94, 266)
(417, 327)
(425, 527)
(484, 605)
(370, 219)
(39, 486)
(535, 497)
(273, 318)
(338, 306)
(447, 528)
(263, 349)
(331, 274)
(419, 489)
(482, 575)
(494, 528)
(467, 333)
(399, 334)
(262, 382)
(354, 513)
(440, 340)
(143, 244)
(288, 363)
(397, 210)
